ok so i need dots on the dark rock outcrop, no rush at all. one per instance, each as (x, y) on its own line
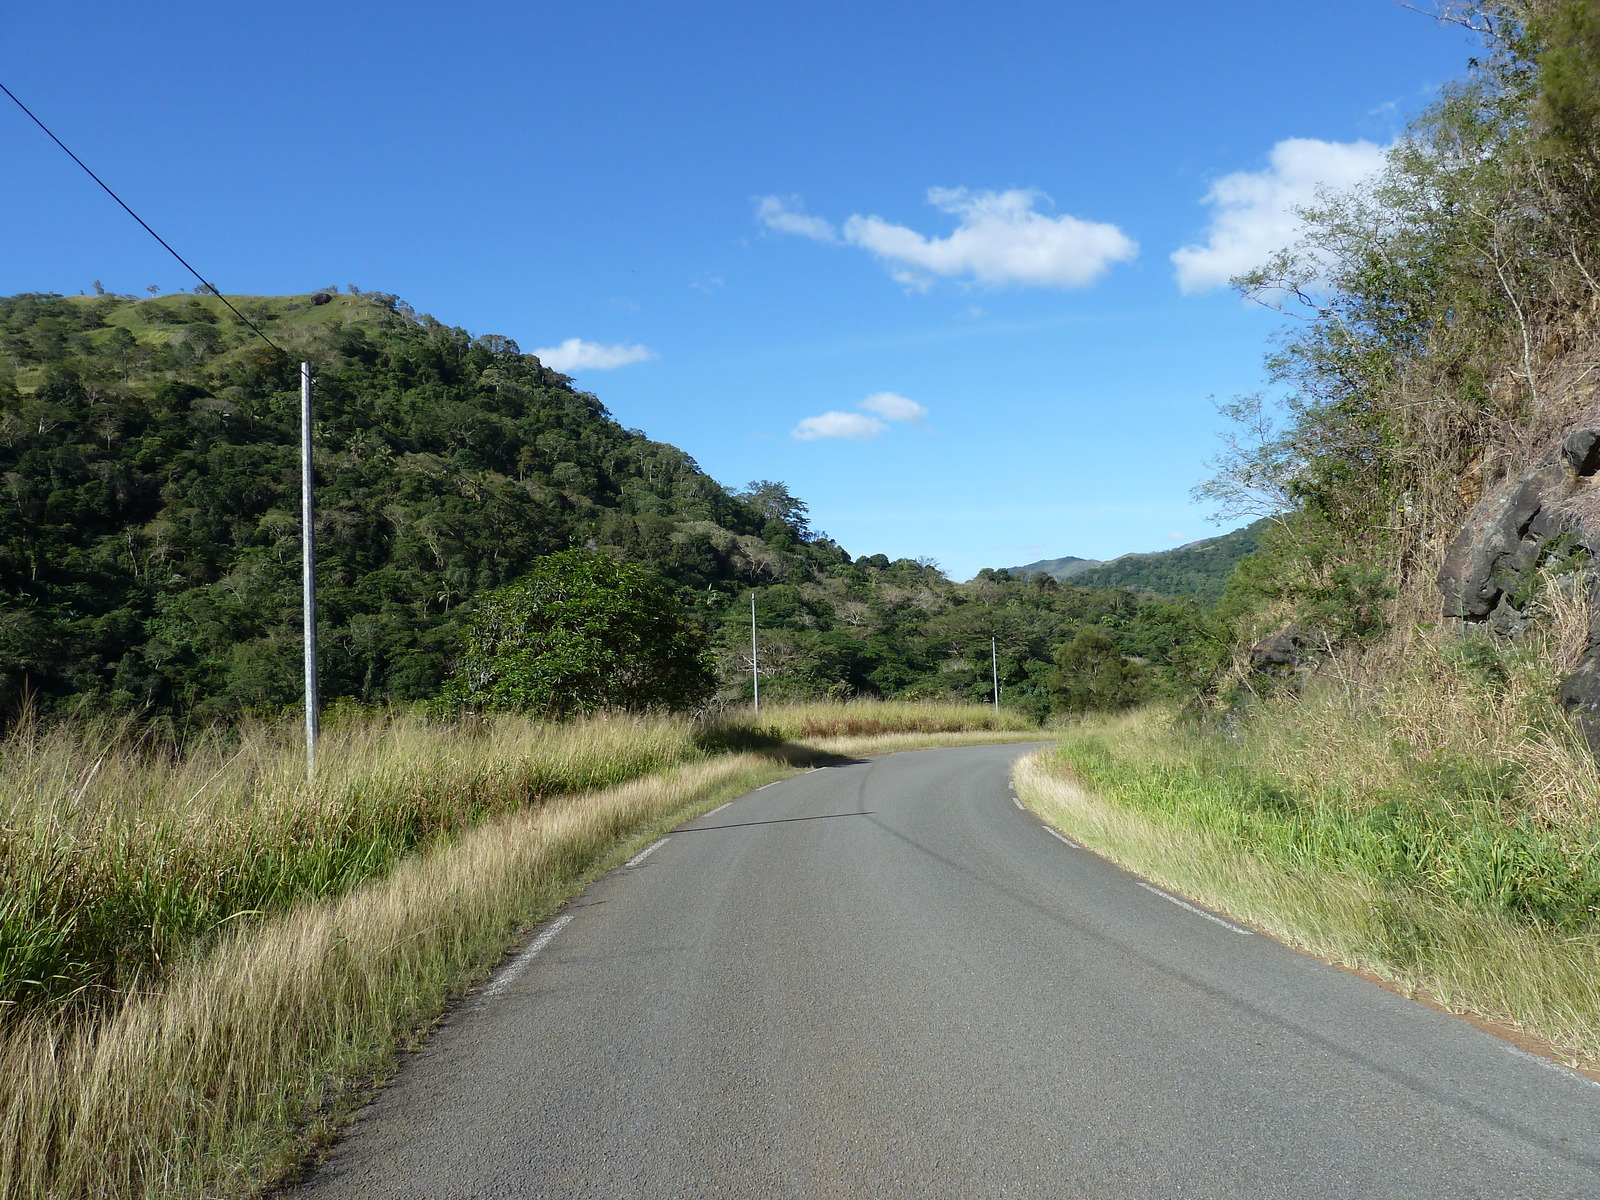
(1488, 569)
(1501, 542)
(1285, 655)
(1580, 696)
(1581, 452)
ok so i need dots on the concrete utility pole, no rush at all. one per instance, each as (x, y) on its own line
(994, 665)
(755, 667)
(308, 558)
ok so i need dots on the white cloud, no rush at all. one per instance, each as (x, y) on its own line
(1254, 212)
(999, 240)
(575, 354)
(855, 427)
(783, 213)
(894, 408)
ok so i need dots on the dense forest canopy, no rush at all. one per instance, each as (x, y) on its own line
(150, 542)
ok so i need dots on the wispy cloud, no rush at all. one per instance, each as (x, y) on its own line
(1000, 240)
(860, 426)
(855, 427)
(1256, 213)
(575, 354)
(784, 214)
(892, 407)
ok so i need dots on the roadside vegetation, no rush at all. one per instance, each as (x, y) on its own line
(207, 957)
(1434, 820)
(1395, 765)
(203, 956)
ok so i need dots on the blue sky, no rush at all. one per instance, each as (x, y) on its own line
(915, 260)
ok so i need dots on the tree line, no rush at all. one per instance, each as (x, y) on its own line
(149, 531)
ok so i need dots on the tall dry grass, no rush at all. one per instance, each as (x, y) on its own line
(118, 857)
(855, 718)
(218, 1082)
(276, 941)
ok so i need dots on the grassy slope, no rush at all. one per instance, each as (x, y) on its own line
(294, 316)
(1461, 863)
(272, 1026)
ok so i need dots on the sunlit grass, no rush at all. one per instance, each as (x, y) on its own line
(825, 719)
(210, 956)
(218, 1081)
(118, 857)
(1435, 822)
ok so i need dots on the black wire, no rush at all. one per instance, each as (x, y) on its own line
(203, 283)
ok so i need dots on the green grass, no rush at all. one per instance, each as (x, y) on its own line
(1457, 844)
(1416, 821)
(158, 317)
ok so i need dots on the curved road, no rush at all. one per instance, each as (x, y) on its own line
(885, 980)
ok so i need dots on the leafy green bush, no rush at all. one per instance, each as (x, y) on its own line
(579, 633)
(1092, 675)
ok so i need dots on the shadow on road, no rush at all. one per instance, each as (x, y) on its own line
(775, 821)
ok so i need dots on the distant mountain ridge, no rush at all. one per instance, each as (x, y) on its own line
(1198, 569)
(1057, 568)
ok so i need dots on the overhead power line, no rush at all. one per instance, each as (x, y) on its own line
(203, 281)
(308, 583)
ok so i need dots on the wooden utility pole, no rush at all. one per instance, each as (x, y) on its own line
(308, 558)
(755, 663)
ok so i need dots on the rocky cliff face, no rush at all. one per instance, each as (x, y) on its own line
(1546, 517)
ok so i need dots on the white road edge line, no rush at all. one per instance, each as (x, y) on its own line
(520, 963)
(1018, 803)
(765, 786)
(646, 852)
(1199, 912)
(1550, 1065)
(720, 807)
(1059, 836)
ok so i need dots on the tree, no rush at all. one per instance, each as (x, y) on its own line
(581, 632)
(1091, 674)
(781, 510)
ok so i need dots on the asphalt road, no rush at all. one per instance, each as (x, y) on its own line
(886, 980)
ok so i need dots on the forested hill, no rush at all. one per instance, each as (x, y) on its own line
(149, 535)
(1198, 569)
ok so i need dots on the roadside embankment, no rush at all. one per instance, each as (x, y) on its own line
(234, 1029)
(1467, 878)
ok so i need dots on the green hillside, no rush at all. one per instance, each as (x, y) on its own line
(1196, 569)
(1057, 568)
(149, 552)
(150, 546)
